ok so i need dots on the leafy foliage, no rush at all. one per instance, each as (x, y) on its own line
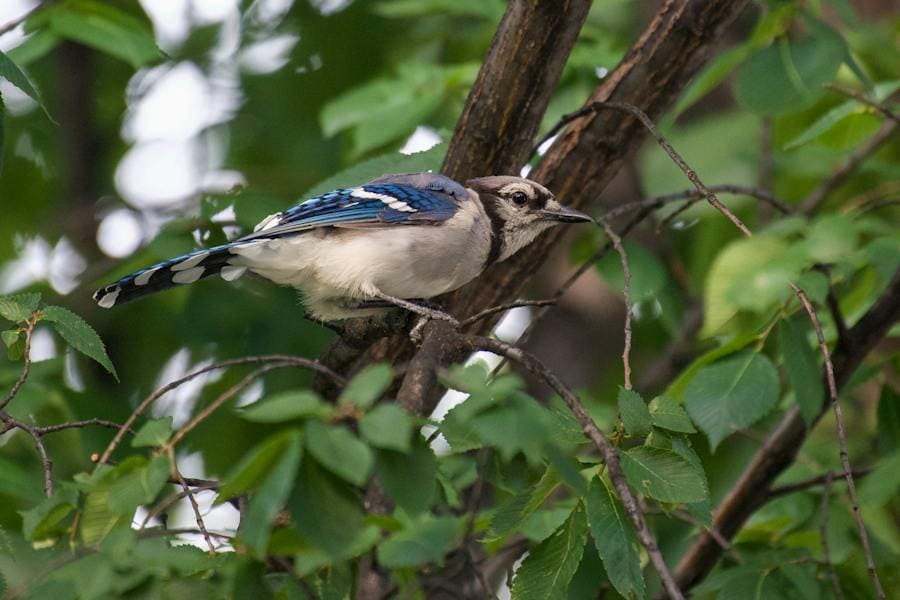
(311, 481)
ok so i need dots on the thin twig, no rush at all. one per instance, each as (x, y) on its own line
(26, 357)
(846, 168)
(149, 400)
(823, 533)
(45, 429)
(805, 484)
(607, 450)
(190, 496)
(842, 438)
(859, 96)
(626, 291)
(664, 144)
(222, 399)
(503, 308)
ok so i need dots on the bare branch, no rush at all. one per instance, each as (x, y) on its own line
(190, 496)
(805, 484)
(45, 429)
(26, 357)
(271, 358)
(222, 399)
(626, 291)
(842, 439)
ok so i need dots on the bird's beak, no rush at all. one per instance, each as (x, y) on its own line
(564, 214)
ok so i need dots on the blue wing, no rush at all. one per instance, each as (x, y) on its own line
(396, 200)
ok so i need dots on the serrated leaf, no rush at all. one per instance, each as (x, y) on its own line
(254, 466)
(731, 394)
(154, 432)
(285, 406)
(270, 496)
(327, 514)
(10, 337)
(409, 478)
(787, 77)
(425, 540)
(43, 520)
(615, 539)
(663, 475)
(368, 385)
(13, 74)
(387, 426)
(339, 451)
(634, 413)
(548, 569)
(140, 485)
(509, 515)
(667, 413)
(18, 307)
(78, 334)
(802, 368)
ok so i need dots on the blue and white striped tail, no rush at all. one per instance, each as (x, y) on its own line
(170, 273)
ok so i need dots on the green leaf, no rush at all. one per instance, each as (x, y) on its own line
(327, 514)
(667, 413)
(787, 77)
(732, 394)
(425, 540)
(255, 465)
(387, 426)
(270, 496)
(663, 475)
(105, 28)
(882, 484)
(10, 337)
(549, 567)
(13, 74)
(824, 123)
(831, 238)
(368, 385)
(79, 335)
(888, 421)
(408, 478)
(748, 274)
(18, 307)
(154, 432)
(2, 140)
(676, 388)
(615, 539)
(509, 515)
(286, 406)
(720, 67)
(139, 485)
(702, 510)
(43, 521)
(522, 425)
(634, 413)
(339, 451)
(802, 368)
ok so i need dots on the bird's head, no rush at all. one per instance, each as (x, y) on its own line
(520, 209)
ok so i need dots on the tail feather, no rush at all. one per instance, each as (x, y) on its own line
(170, 273)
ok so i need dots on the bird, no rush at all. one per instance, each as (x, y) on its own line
(397, 240)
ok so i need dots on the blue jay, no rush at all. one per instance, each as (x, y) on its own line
(354, 251)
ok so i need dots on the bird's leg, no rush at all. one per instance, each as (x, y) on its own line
(423, 311)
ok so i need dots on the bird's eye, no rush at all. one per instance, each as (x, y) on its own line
(520, 198)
